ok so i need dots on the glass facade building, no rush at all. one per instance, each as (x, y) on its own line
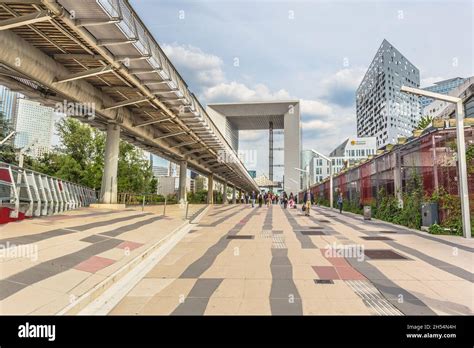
(443, 87)
(8, 103)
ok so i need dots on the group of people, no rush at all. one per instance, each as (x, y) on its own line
(269, 198)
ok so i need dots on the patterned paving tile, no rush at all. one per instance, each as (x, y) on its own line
(130, 245)
(326, 272)
(94, 264)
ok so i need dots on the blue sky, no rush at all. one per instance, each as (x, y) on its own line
(316, 51)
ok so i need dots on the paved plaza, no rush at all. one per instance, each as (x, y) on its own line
(233, 260)
(271, 261)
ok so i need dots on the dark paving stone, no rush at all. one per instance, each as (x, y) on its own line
(323, 281)
(204, 288)
(60, 231)
(376, 238)
(191, 306)
(93, 239)
(8, 288)
(316, 227)
(131, 227)
(312, 233)
(199, 266)
(286, 307)
(282, 271)
(242, 236)
(280, 260)
(383, 254)
(53, 267)
(324, 221)
(387, 231)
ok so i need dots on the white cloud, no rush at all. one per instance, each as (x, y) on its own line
(315, 107)
(204, 67)
(235, 91)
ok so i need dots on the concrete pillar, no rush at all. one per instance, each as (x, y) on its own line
(224, 194)
(183, 167)
(210, 189)
(241, 195)
(108, 193)
(233, 195)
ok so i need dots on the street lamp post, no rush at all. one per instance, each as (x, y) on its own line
(461, 146)
(331, 174)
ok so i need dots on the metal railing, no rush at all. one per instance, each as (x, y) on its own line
(26, 193)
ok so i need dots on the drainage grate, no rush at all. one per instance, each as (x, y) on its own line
(372, 297)
(376, 238)
(312, 233)
(387, 231)
(383, 254)
(316, 227)
(242, 236)
(324, 281)
(324, 221)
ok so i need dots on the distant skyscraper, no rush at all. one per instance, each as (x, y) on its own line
(34, 124)
(160, 171)
(8, 103)
(382, 110)
(443, 87)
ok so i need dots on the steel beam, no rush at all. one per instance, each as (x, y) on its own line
(184, 144)
(146, 123)
(169, 135)
(90, 22)
(28, 19)
(127, 102)
(115, 42)
(85, 74)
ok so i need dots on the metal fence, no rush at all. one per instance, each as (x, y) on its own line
(25, 193)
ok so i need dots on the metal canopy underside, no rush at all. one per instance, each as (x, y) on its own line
(135, 84)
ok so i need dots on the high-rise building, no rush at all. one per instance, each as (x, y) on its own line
(8, 103)
(383, 111)
(34, 126)
(443, 87)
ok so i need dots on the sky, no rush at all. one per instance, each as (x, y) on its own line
(314, 51)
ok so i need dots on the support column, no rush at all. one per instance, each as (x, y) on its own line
(397, 179)
(210, 189)
(183, 168)
(233, 195)
(240, 196)
(224, 195)
(108, 192)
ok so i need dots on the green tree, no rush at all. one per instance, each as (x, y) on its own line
(7, 150)
(80, 158)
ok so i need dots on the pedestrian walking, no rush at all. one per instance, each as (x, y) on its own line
(253, 199)
(340, 201)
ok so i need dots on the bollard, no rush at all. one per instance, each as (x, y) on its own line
(187, 207)
(143, 203)
(164, 208)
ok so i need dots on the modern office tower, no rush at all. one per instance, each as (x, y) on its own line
(166, 185)
(383, 111)
(445, 110)
(34, 127)
(8, 103)
(443, 87)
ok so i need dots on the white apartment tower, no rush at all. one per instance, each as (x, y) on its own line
(383, 111)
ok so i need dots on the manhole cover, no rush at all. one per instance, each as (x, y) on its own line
(324, 281)
(383, 254)
(376, 238)
(312, 233)
(242, 236)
